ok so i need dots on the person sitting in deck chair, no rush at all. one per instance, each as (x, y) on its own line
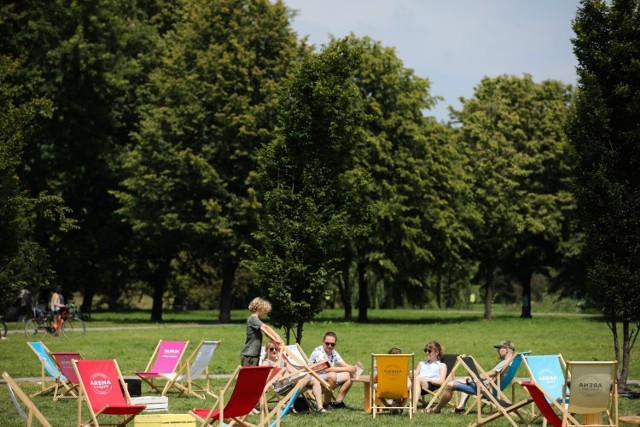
(505, 351)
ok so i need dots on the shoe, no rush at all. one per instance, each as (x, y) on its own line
(338, 405)
(460, 411)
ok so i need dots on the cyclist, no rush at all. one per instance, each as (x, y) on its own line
(57, 307)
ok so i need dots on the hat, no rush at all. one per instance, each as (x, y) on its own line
(505, 343)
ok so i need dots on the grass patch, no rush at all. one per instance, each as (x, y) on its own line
(130, 338)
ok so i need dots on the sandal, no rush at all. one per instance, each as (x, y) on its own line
(460, 410)
(321, 411)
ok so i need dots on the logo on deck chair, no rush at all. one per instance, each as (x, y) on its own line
(590, 385)
(100, 383)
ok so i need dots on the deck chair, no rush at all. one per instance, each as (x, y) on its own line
(295, 356)
(281, 387)
(594, 392)
(105, 393)
(248, 387)
(47, 367)
(391, 390)
(548, 373)
(505, 378)
(426, 396)
(489, 391)
(64, 362)
(163, 363)
(15, 390)
(196, 365)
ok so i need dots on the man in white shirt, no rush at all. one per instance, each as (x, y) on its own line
(340, 372)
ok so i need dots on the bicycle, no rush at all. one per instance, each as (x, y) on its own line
(42, 323)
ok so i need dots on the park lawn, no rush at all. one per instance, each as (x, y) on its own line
(577, 337)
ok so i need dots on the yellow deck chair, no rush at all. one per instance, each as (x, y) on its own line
(390, 388)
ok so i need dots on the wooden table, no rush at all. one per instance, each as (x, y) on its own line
(366, 383)
(630, 419)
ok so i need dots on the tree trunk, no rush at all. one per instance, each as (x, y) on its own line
(298, 333)
(363, 291)
(525, 281)
(345, 294)
(87, 299)
(159, 284)
(229, 267)
(488, 295)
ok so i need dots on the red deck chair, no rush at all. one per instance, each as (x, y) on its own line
(163, 363)
(548, 407)
(104, 389)
(64, 362)
(250, 382)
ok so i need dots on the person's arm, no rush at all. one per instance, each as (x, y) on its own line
(342, 366)
(271, 333)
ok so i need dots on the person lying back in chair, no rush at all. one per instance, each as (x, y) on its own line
(505, 351)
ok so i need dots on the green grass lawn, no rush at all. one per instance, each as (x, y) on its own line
(131, 338)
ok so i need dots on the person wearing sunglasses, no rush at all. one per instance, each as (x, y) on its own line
(340, 372)
(273, 359)
(506, 351)
(430, 373)
(250, 353)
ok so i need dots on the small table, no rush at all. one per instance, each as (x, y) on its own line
(366, 382)
(630, 419)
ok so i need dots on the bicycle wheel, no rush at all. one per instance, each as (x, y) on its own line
(3, 329)
(73, 326)
(33, 328)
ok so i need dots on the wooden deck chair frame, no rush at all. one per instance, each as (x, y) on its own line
(391, 382)
(64, 362)
(163, 363)
(426, 396)
(548, 372)
(196, 365)
(281, 387)
(296, 356)
(549, 407)
(47, 368)
(248, 384)
(504, 379)
(102, 387)
(594, 392)
(15, 390)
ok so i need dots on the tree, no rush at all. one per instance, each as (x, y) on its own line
(312, 188)
(604, 134)
(209, 107)
(23, 262)
(512, 131)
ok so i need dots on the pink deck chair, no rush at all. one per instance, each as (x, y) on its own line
(250, 382)
(104, 389)
(64, 362)
(163, 363)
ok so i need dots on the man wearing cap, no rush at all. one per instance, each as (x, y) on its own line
(505, 351)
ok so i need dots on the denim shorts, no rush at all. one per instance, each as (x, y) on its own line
(466, 388)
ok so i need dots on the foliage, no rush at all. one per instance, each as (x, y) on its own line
(312, 189)
(604, 133)
(512, 133)
(23, 262)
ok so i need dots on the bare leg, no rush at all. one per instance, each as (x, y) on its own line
(344, 388)
(446, 395)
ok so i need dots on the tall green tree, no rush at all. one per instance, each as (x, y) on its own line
(512, 131)
(210, 106)
(313, 188)
(23, 262)
(603, 130)
(84, 57)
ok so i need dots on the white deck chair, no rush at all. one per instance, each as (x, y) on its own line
(196, 365)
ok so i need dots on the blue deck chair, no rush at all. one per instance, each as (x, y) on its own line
(547, 372)
(47, 367)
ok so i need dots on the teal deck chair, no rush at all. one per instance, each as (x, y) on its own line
(47, 367)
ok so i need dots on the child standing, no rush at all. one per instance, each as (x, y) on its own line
(250, 354)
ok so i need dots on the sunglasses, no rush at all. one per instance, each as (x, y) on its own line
(330, 344)
(273, 349)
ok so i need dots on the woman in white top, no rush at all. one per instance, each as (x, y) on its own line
(430, 373)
